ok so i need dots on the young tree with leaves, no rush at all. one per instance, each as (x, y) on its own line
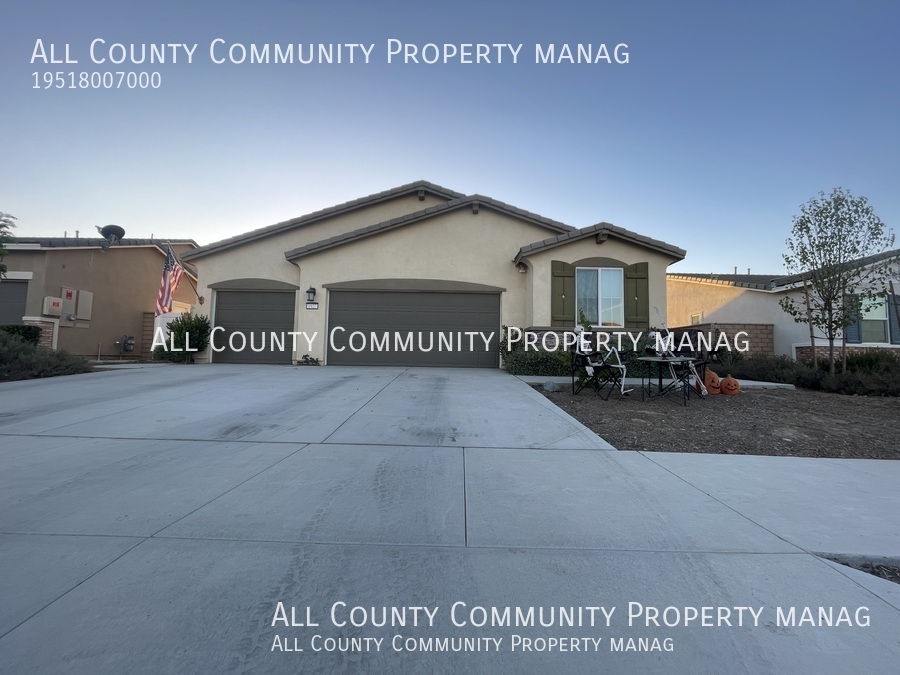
(6, 226)
(836, 249)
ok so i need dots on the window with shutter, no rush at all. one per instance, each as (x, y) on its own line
(894, 318)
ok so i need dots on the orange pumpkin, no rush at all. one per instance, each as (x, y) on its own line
(730, 386)
(711, 382)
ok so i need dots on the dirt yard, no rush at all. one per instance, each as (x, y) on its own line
(786, 422)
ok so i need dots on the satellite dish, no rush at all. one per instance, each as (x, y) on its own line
(112, 233)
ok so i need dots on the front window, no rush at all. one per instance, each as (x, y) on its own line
(600, 295)
(874, 321)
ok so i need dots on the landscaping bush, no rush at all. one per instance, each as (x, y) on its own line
(196, 326)
(871, 361)
(761, 367)
(30, 334)
(537, 362)
(21, 360)
(875, 372)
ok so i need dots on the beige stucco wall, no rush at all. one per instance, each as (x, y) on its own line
(540, 271)
(264, 258)
(720, 303)
(124, 281)
(455, 246)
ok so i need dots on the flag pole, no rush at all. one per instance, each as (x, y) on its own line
(191, 283)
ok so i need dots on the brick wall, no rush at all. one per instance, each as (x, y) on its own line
(47, 328)
(759, 336)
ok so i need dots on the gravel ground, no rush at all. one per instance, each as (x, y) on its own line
(783, 422)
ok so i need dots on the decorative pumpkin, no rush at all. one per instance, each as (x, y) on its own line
(730, 386)
(711, 381)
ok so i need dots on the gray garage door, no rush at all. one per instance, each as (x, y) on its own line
(255, 314)
(12, 301)
(437, 319)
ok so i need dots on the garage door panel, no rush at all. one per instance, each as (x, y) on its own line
(416, 312)
(256, 314)
(12, 301)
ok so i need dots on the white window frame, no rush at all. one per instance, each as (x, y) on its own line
(599, 271)
(866, 315)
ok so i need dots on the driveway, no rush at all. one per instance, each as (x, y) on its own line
(152, 520)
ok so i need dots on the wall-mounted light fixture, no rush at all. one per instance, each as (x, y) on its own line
(522, 267)
(311, 298)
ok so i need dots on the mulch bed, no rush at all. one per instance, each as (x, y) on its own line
(785, 422)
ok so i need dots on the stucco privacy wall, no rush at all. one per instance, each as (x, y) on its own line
(722, 304)
(264, 258)
(539, 309)
(456, 246)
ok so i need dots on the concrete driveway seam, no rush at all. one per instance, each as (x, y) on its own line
(727, 506)
(367, 402)
(69, 590)
(231, 489)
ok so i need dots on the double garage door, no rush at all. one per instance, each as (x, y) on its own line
(438, 321)
(435, 319)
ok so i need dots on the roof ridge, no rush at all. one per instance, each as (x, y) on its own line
(422, 214)
(599, 228)
(319, 214)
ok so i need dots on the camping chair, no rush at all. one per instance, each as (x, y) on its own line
(598, 371)
(686, 374)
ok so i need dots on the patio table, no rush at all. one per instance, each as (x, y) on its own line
(680, 377)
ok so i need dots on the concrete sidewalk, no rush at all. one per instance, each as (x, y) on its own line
(151, 520)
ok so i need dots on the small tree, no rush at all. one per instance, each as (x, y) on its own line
(6, 226)
(830, 248)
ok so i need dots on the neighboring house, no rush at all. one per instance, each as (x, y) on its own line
(84, 298)
(421, 257)
(752, 300)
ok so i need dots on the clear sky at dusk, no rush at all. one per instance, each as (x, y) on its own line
(726, 118)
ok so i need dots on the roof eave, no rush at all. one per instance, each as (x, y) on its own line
(322, 214)
(478, 201)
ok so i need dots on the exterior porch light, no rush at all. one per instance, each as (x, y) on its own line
(311, 294)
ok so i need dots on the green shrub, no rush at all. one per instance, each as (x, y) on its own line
(188, 330)
(21, 360)
(760, 367)
(504, 343)
(538, 362)
(870, 361)
(30, 334)
(875, 372)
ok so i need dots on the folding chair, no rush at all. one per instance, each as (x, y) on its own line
(686, 374)
(598, 371)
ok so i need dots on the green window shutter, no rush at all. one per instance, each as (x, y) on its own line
(853, 333)
(637, 296)
(894, 318)
(562, 291)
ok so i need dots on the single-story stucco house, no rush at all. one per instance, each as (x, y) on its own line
(421, 258)
(750, 302)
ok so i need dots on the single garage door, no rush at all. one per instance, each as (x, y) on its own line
(12, 301)
(436, 320)
(255, 314)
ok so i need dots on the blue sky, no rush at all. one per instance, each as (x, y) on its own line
(728, 116)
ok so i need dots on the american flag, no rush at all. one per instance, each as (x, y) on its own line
(171, 276)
